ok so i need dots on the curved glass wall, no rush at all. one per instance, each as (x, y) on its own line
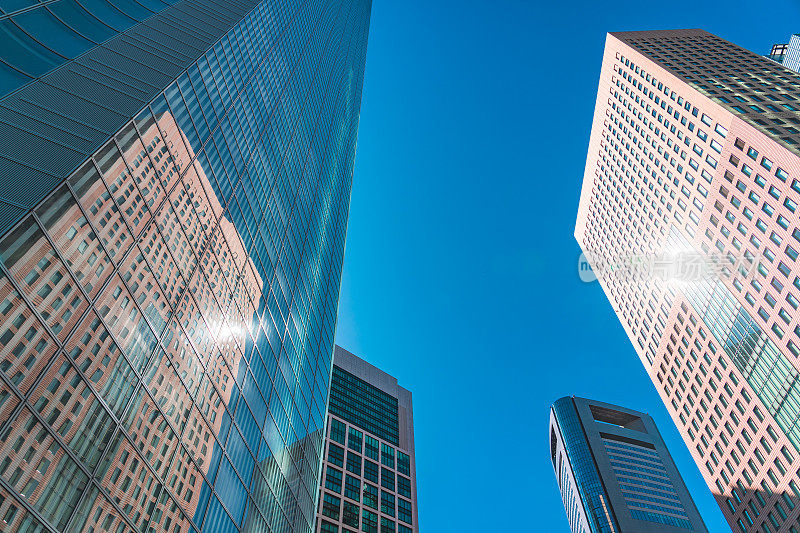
(167, 312)
(590, 487)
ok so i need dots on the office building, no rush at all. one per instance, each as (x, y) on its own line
(689, 216)
(787, 54)
(173, 205)
(369, 483)
(615, 473)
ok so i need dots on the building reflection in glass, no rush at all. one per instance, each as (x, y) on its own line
(140, 305)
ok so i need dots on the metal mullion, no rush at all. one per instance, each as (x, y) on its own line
(137, 41)
(192, 274)
(215, 342)
(21, 403)
(22, 10)
(18, 205)
(327, 399)
(337, 99)
(100, 82)
(38, 203)
(163, 482)
(114, 261)
(151, 210)
(182, 25)
(28, 507)
(103, 286)
(267, 122)
(62, 351)
(282, 93)
(217, 14)
(108, 110)
(100, 488)
(249, 81)
(120, 428)
(120, 431)
(317, 188)
(116, 267)
(231, 93)
(48, 123)
(205, 371)
(99, 398)
(46, 426)
(166, 200)
(60, 346)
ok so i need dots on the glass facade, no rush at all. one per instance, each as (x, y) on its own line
(769, 372)
(366, 405)
(645, 484)
(587, 478)
(176, 203)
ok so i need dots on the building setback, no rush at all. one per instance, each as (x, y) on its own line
(173, 206)
(615, 473)
(693, 170)
(369, 481)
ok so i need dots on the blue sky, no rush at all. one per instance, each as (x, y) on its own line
(460, 273)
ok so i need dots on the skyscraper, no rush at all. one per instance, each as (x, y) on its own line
(615, 473)
(174, 196)
(688, 215)
(787, 54)
(370, 480)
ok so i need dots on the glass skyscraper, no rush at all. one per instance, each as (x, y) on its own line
(174, 190)
(615, 473)
(370, 480)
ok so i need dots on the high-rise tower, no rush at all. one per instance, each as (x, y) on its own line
(615, 473)
(174, 192)
(787, 54)
(370, 480)
(689, 216)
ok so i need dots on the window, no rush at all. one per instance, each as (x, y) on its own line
(370, 495)
(387, 525)
(354, 438)
(387, 479)
(330, 506)
(403, 463)
(352, 488)
(364, 405)
(404, 511)
(387, 455)
(335, 454)
(404, 486)
(337, 431)
(354, 463)
(369, 523)
(371, 447)
(370, 471)
(333, 480)
(350, 514)
(327, 527)
(387, 503)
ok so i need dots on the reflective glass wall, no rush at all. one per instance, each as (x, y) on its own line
(168, 303)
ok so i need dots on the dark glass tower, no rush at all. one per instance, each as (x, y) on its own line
(615, 473)
(174, 189)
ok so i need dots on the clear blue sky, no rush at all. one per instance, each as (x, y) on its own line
(460, 271)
